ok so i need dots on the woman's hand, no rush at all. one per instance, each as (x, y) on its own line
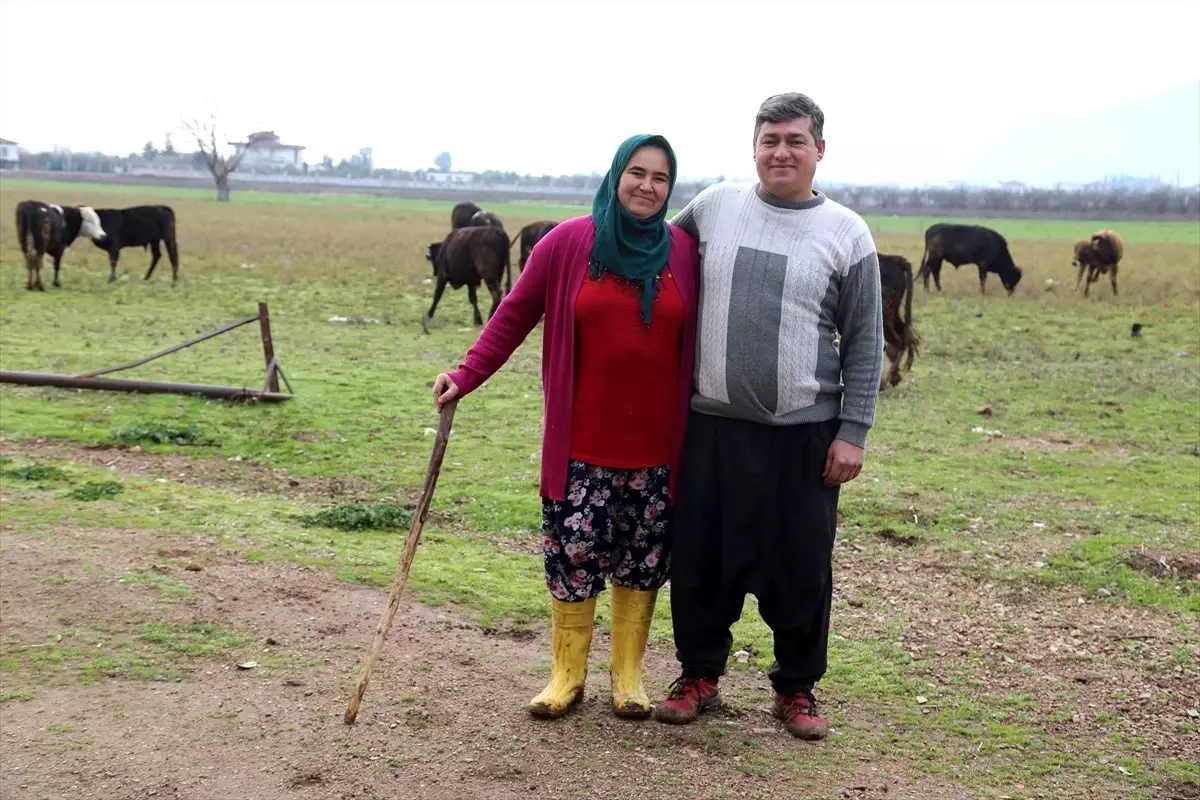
(444, 390)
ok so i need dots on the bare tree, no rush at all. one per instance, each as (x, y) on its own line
(221, 166)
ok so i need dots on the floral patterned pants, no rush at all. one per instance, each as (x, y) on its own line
(614, 523)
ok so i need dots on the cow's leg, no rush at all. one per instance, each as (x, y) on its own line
(155, 255)
(173, 255)
(982, 279)
(437, 296)
(494, 288)
(933, 267)
(30, 267)
(114, 253)
(1114, 279)
(1091, 278)
(57, 264)
(473, 294)
(37, 274)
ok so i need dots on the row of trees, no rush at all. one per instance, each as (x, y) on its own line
(1099, 199)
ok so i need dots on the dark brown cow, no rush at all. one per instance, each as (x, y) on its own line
(530, 235)
(467, 257)
(899, 336)
(44, 228)
(487, 218)
(139, 226)
(460, 217)
(1098, 256)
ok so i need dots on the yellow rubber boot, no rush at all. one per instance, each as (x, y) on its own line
(570, 640)
(632, 611)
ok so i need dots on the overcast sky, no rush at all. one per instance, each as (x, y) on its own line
(912, 93)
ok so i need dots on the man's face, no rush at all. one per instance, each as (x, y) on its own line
(786, 157)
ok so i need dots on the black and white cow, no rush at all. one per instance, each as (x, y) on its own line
(46, 228)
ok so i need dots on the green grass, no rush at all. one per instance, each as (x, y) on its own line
(1095, 457)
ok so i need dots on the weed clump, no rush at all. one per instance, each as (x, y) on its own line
(41, 473)
(96, 490)
(356, 517)
(162, 433)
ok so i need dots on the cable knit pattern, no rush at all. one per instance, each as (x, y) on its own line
(778, 280)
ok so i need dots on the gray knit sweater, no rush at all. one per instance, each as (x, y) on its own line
(777, 280)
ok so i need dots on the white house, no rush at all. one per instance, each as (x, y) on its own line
(9, 155)
(266, 152)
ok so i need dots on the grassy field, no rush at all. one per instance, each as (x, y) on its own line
(1018, 569)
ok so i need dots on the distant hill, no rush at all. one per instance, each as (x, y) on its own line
(1154, 135)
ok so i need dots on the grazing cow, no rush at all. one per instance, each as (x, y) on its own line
(530, 235)
(460, 217)
(139, 226)
(1097, 256)
(465, 258)
(486, 218)
(899, 336)
(44, 228)
(968, 244)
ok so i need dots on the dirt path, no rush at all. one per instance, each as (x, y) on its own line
(443, 716)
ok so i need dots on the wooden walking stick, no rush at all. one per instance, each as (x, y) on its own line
(406, 559)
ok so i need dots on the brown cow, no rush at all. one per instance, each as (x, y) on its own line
(460, 216)
(1097, 256)
(530, 235)
(899, 336)
(465, 258)
(486, 218)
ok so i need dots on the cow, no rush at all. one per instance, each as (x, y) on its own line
(968, 244)
(530, 235)
(899, 336)
(465, 258)
(139, 226)
(460, 216)
(1097, 256)
(45, 228)
(486, 218)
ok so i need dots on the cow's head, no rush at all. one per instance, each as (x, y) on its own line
(432, 255)
(1011, 280)
(91, 226)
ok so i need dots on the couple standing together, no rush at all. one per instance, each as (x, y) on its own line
(699, 420)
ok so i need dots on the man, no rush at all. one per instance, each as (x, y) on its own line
(779, 416)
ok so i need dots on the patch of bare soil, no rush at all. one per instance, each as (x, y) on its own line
(1096, 665)
(1158, 565)
(442, 717)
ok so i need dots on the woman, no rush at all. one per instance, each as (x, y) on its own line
(618, 292)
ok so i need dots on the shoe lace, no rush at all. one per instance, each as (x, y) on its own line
(802, 702)
(683, 685)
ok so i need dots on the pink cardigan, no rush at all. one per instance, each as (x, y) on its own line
(549, 286)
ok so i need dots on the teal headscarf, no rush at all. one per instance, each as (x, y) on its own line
(633, 248)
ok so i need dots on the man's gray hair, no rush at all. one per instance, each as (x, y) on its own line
(787, 107)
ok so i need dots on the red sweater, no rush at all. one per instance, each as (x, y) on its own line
(626, 373)
(548, 287)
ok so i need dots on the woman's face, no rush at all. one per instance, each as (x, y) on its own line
(646, 182)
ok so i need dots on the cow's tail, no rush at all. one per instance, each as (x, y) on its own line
(23, 232)
(911, 341)
(513, 240)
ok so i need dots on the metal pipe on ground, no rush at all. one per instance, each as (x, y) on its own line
(143, 387)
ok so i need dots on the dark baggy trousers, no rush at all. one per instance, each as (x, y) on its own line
(753, 516)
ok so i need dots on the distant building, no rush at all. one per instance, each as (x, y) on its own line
(9, 155)
(451, 177)
(264, 151)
